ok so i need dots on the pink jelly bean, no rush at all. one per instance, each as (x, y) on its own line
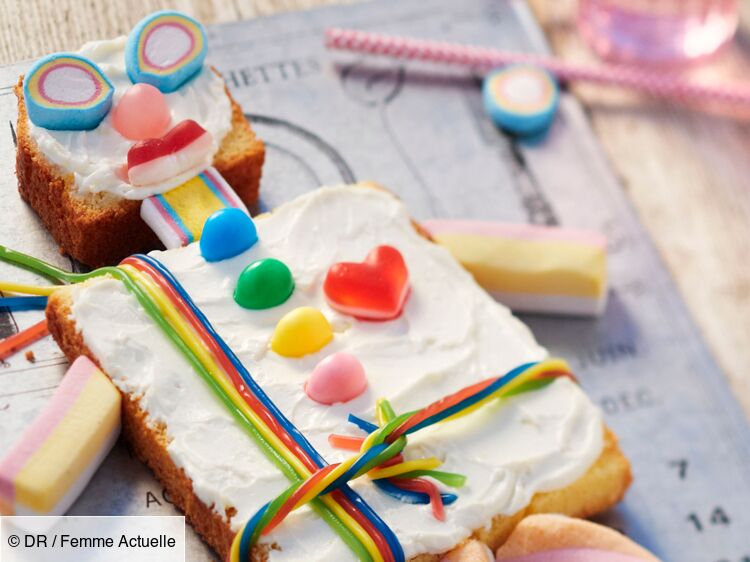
(142, 113)
(337, 378)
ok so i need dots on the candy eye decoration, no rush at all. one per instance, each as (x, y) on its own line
(65, 91)
(165, 50)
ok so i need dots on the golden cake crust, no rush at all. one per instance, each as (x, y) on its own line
(600, 488)
(102, 229)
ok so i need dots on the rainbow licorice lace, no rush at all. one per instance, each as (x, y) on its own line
(314, 481)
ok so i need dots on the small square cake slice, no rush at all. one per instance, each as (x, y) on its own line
(70, 178)
(543, 451)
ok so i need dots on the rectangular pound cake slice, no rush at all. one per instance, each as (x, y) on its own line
(70, 177)
(547, 450)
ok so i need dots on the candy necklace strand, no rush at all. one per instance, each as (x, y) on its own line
(226, 365)
(336, 477)
(24, 289)
(424, 491)
(451, 407)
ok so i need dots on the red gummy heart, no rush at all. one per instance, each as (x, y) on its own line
(177, 138)
(375, 289)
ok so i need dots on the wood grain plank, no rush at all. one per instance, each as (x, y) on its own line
(687, 172)
(33, 28)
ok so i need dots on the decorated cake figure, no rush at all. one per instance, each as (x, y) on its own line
(135, 135)
(351, 410)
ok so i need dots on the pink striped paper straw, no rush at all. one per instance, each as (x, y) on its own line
(663, 85)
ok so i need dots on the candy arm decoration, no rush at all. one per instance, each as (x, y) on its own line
(179, 215)
(165, 49)
(57, 455)
(387, 442)
(557, 538)
(530, 268)
(24, 338)
(66, 91)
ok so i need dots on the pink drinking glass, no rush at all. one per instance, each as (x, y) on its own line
(657, 31)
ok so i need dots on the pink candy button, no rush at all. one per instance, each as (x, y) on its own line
(337, 378)
(142, 113)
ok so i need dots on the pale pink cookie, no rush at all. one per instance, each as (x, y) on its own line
(556, 538)
(470, 551)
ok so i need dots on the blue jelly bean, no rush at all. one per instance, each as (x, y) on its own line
(227, 233)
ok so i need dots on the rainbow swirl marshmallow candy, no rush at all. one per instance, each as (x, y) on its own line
(556, 538)
(66, 91)
(165, 50)
(521, 99)
(530, 268)
(183, 150)
(57, 455)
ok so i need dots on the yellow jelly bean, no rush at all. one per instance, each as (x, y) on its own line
(301, 331)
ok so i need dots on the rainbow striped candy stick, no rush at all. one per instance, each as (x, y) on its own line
(530, 268)
(57, 455)
(177, 216)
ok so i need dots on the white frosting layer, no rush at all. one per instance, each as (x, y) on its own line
(93, 156)
(451, 334)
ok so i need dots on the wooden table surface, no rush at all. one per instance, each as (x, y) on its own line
(686, 171)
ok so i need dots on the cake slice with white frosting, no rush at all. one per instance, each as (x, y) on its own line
(545, 450)
(72, 161)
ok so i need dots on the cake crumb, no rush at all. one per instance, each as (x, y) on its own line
(30, 357)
